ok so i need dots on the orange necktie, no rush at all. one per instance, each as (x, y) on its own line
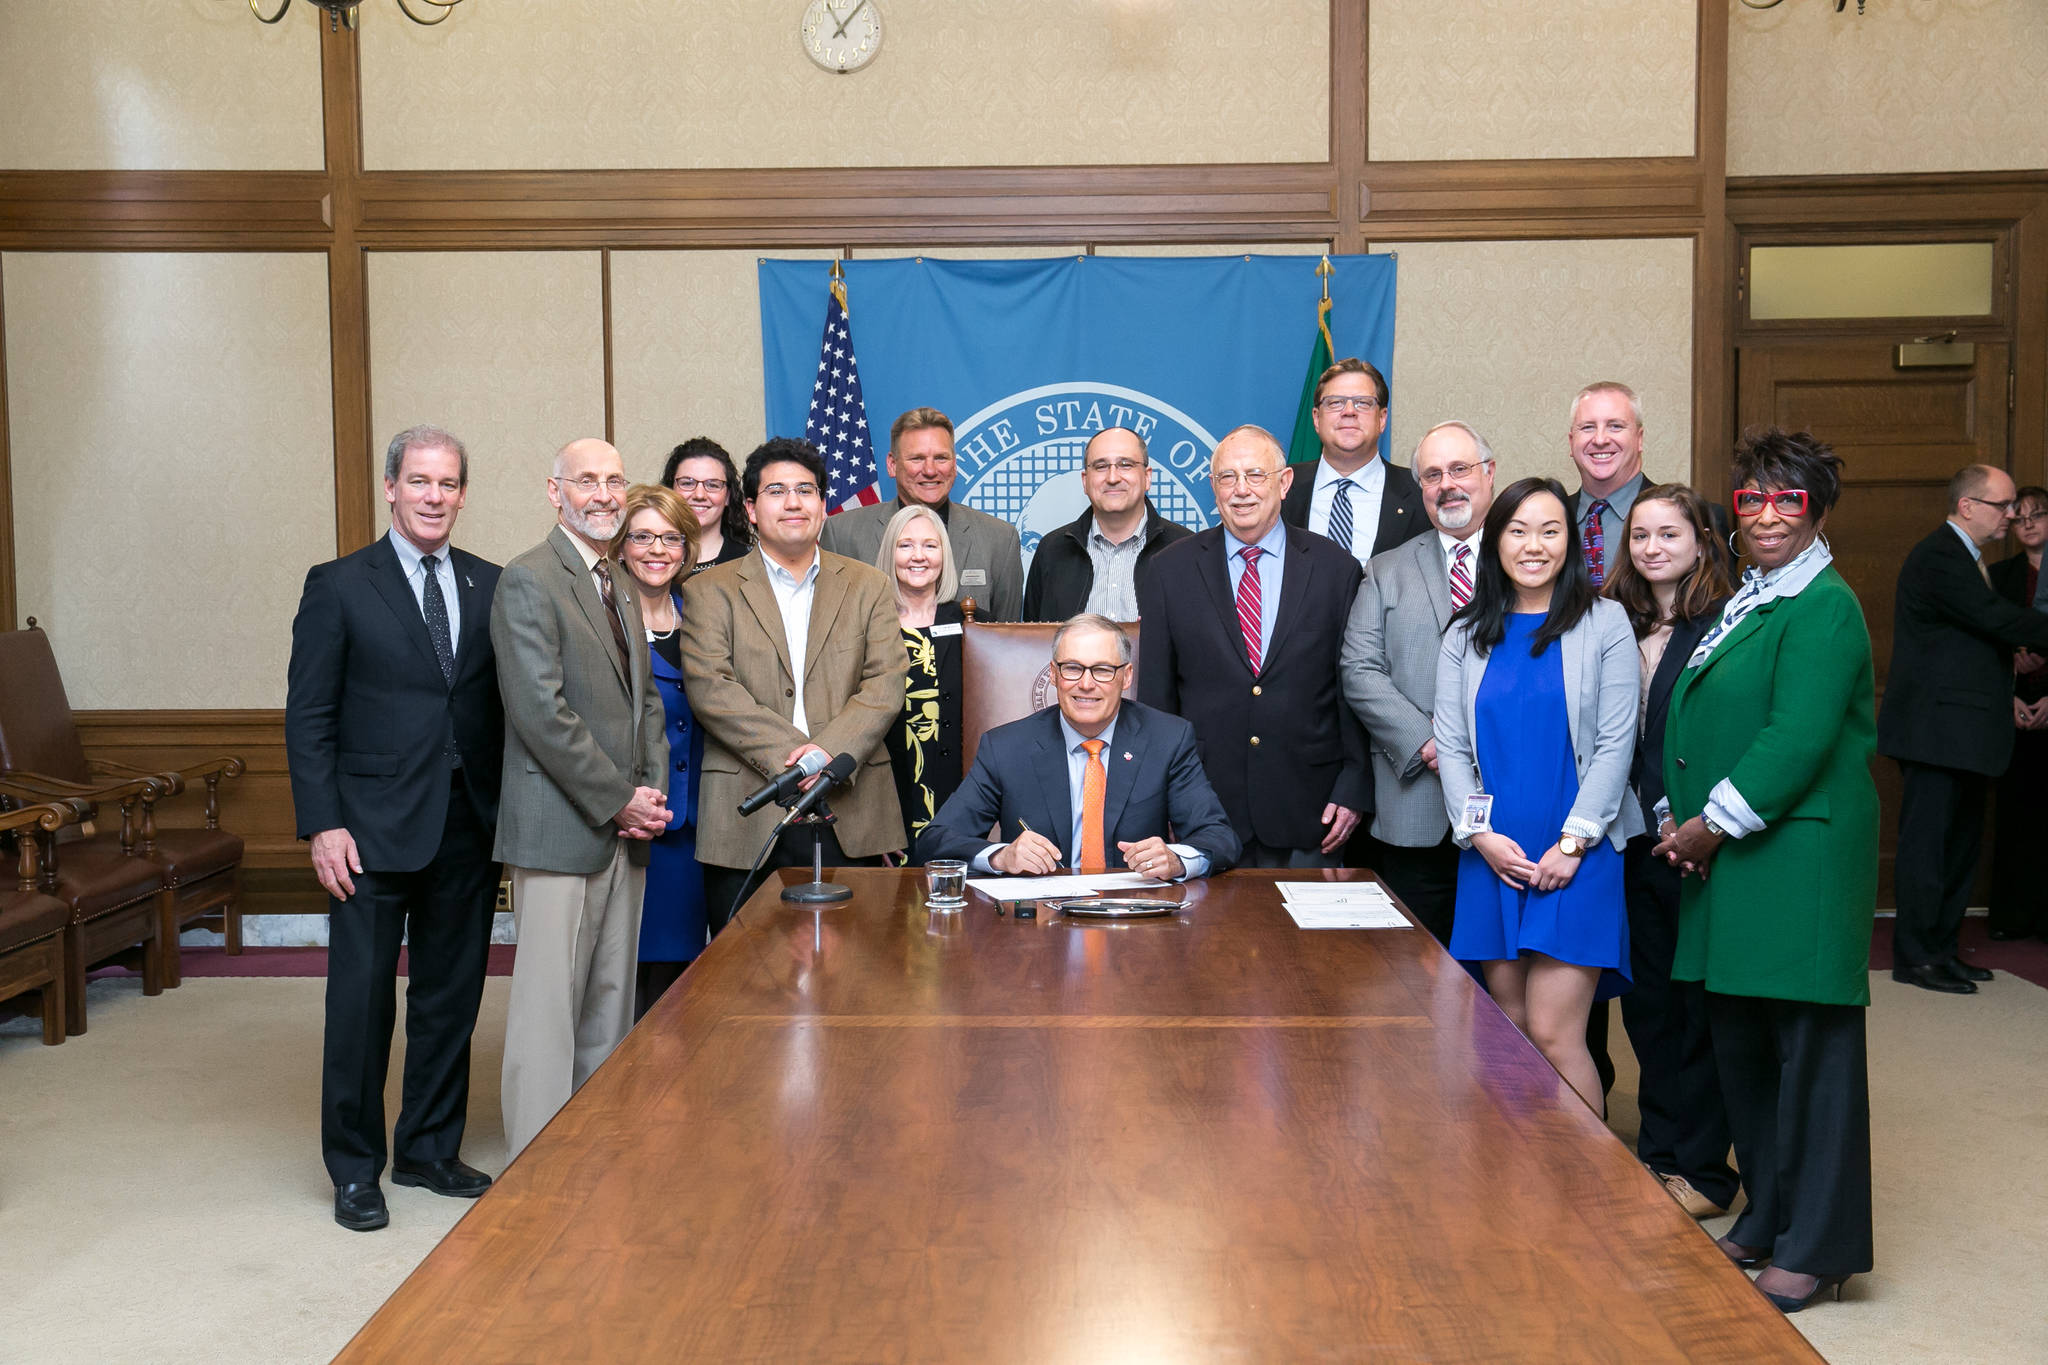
(1094, 784)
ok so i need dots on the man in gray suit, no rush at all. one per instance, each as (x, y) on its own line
(1389, 666)
(986, 548)
(585, 754)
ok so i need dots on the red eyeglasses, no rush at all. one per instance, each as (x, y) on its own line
(1789, 502)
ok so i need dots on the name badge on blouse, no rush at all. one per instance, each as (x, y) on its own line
(950, 628)
(1479, 812)
(974, 578)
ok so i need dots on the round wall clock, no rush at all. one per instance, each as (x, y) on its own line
(842, 37)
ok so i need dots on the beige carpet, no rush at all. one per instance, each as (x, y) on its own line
(162, 1199)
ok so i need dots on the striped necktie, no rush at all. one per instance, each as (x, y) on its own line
(1461, 576)
(1340, 514)
(1596, 543)
(1250, 605)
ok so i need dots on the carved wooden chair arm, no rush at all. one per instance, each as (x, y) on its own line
(32, 828)
(175, 780)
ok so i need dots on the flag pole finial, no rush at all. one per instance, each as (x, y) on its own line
(839, 285)
(1325, 270)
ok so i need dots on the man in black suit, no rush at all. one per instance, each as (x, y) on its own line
(1240, 629)
(1096, 782)
(1095, 562)
(1606, 440)
(1352, 495)
(395, 737)
(1947, 720)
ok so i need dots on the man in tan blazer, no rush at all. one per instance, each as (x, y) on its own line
(586, 754)
(745, 624)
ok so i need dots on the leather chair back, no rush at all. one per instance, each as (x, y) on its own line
(1006, 675)
(37, 733)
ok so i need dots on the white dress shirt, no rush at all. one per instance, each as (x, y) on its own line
(411, 564)
(1271, 565)
(1450, 543)
(1114, 591)
(793, 597)
(1368, 489)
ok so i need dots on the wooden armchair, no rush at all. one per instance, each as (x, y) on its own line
(1006, 674)
(32, 922)
(199, 871)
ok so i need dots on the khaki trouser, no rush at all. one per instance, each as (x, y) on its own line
(572, 986)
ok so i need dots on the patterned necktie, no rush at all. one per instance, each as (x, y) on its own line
(1250, 606)
(435, 607)
(611, 614)
(1340, 514)
(1094, 786)
(1596, 543)
(1461, 576)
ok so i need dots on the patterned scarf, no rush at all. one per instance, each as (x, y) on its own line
(1759, 587)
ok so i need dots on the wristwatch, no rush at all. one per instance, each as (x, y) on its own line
(1571, 846)
(1712, 827)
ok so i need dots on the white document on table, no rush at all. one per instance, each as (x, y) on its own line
(1042, 888)
(1333, 893)
(1348, 917)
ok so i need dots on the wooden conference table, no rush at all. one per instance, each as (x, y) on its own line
(868, 1133)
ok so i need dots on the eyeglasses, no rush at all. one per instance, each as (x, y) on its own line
(1101, 467)
(1456, 473)
(668, 540)
(1102, 673)
(803, 492)
(1789, 502)
(2005, 508)
(715, 487)
(1254, 479)
(1340, 402)
(2030, 518)
(590, 483)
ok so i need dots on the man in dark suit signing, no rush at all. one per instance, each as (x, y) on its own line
(394, 734)
(1351, 495)
(1240, 629)
(1095, 783)
(1947, 720)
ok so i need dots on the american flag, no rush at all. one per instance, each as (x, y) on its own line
(837, 423)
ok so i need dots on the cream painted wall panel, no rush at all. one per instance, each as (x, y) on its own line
(171, 434)
(170, 85)
(1454, 80)
(1219, 249)
(1503, 334)
(545, 84)
(506, 350)
(1912, 85)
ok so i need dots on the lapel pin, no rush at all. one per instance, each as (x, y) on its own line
(1127, 755)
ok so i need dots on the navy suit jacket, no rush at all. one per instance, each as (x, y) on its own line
(1156, 787)
(367, 711)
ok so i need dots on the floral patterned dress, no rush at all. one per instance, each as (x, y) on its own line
(924, 745)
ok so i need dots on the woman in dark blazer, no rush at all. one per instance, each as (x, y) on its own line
(657, 544)
(2019, 898)
(925, 745)
(1673, 586)
(1767, 749)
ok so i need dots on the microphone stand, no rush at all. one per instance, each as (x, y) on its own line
(817, 891)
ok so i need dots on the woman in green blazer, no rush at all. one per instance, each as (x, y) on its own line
(1772, 809)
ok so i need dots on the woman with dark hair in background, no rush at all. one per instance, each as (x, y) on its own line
(2019, 898)
(1767, 755)
(701, 473)
(1535, 726)
(1673, 587)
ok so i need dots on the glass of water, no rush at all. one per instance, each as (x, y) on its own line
(945, 884)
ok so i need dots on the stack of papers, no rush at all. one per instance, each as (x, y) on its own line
(1341, 905)
(1042, 888)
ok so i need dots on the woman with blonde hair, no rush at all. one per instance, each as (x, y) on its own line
(924, 746)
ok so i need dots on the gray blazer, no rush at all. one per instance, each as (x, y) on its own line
(1602, 680)
(580, 731)
(985, 550)
(1389, 666)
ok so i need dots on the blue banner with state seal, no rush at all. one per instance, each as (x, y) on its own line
(1030, 358)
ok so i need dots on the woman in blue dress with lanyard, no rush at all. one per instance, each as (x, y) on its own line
(657, 544)
(1535, 729)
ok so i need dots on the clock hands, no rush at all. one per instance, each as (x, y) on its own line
(840, 32)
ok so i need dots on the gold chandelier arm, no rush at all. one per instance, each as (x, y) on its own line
(283, 5)
(443, 5)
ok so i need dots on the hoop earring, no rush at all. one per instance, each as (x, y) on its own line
(1733, 553)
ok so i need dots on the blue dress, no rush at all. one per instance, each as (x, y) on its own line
(672, 922)
(1523, 742)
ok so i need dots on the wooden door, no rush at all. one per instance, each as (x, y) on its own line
(1901, 434)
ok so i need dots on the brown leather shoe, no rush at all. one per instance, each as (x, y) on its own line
(1690, 1199)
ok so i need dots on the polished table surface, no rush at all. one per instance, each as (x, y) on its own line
(868, 1133)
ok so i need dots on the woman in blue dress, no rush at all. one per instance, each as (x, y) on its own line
(1535, 728)
(657, 544)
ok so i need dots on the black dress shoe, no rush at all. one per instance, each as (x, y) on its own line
(1932, 976)
(450, 1177)
(359, 1207)
(1964, 971)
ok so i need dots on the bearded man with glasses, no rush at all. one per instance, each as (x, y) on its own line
(1131, 778)
(1354, 497)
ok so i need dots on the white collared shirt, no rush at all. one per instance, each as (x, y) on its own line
(793, 598)
(410, 562)
(1114, 591)
(1368, 490)
(1450, 543)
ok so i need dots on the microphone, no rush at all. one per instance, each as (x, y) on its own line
(788, 780)
(836, 772)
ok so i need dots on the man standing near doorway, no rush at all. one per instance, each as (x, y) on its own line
(1352, 496)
